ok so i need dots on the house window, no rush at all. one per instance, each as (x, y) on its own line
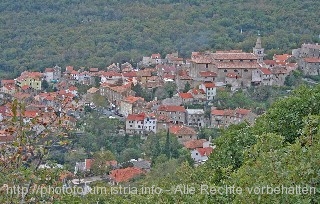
(245, 70)
(138, 126)
(225, 70)
(207, 65)
(179, 136)
(130, 125)
(235, 70)
(197, 154)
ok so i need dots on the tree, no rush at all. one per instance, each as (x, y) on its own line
(76, 155)
(171, 88)
(44, 84)
(130, 153)
(100, 158)
(187, 87)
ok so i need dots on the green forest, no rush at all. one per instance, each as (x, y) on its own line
(39, 34)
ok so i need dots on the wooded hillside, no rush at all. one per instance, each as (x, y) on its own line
(39, 34)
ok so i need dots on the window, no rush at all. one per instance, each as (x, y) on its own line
(139, 126)
(179, 136)
(197, 154)
(235, 70)
(130, 125)
(225, 70)
(231, 60)
(207, 65)
(245, 70)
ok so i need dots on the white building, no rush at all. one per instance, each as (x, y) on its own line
(210, 89)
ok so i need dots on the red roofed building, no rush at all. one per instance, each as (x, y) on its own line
(210, 89)
(193, 144)
(226, 117)
(177, 114)
(32, 79)
(141, 124)
(186, 97)
(124, 175)
(201, 155)
(284, 58)
(8, 89)
(183, 133)
(131, 104)
(263, 76)
(10, 82)
(110, 77)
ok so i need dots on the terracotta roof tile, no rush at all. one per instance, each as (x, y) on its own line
(185, 95)
(312, 60)
(124, 175)
(136, 117)
(168, 108)
(193, 144)
(182, 130)
(208, 74)
(205, 151)
(265, 71)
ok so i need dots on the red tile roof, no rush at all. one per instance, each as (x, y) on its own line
(233, 55)
(156, 56)
(265, 71)
(168, 108)
(208, 74)
(7, 82)
(205, 151)
(269, 62)
(132, 99)
(193, 144)
(136, 117)
(124, 175)
(281, 58)
(182, 130)
(93, 69)
(185, 95)
(49, 70)
(69, 68)
(312, 60)
(25, 87)
(217, 112)
(129, 74)
(242, 111)
(209, 85)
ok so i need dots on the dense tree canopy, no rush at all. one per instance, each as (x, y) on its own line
(40, 34)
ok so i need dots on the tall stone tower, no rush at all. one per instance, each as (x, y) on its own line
(258, 50)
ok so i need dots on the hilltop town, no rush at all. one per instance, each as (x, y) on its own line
(165, 95)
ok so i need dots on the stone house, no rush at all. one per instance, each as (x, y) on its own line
(224, 118)
(186, 98)
(183, 133)
(195, 117)
(131, 105)
(262, 76)
(176, 114)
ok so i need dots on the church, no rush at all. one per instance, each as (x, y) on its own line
(233, 67)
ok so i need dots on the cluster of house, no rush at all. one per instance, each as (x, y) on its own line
(204, 72)
(200, 151)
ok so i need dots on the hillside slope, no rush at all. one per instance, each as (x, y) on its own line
(38, 34)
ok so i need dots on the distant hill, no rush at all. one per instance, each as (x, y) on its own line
(39, 34)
